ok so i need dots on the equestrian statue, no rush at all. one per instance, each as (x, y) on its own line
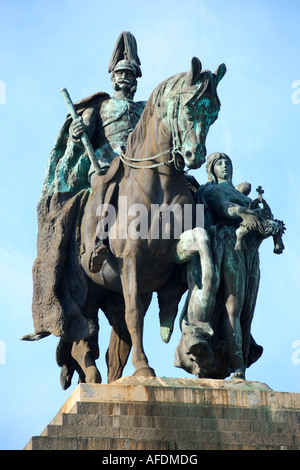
(118, 220)
(139, 153)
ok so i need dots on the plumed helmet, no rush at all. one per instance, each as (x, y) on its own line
(126, 65)
(125, 55)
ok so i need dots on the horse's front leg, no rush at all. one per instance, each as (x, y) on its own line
(134, 315)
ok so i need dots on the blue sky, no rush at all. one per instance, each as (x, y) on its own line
(47, 45)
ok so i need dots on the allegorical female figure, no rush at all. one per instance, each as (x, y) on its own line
(222, 326)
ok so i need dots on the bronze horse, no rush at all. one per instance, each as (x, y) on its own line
(171, 133)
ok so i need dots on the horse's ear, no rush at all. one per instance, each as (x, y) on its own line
(194, 72)
(219, 73)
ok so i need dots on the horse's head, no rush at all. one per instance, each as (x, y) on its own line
(198, 106)
(182, 108)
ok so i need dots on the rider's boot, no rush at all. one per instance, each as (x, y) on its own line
(99, 255)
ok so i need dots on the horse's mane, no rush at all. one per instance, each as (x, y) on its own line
(161, 91)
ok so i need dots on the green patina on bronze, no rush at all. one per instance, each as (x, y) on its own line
(168, 133)
(217, 338)
(111, 147)
(108, 122)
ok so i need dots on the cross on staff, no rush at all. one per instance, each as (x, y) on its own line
(260, 190)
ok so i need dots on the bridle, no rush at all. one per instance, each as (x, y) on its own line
(175, 150)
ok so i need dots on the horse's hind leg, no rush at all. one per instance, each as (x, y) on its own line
(82, 353)
(86, 351)
(118, 350)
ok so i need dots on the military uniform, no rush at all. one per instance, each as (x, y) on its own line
(108, 124)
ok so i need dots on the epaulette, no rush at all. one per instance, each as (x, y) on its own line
(91, 100)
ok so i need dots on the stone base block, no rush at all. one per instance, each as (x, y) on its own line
(161, 414)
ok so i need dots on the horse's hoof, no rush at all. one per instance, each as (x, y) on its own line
(65, 377)
(93, 377)
(238, 375)
(165, 333)
(144, 372)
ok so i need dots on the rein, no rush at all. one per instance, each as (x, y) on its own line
(127, 160)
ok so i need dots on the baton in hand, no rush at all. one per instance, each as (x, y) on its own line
(84, 138)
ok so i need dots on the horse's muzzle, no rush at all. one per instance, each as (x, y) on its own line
(196, 159)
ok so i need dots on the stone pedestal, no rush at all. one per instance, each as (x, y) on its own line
(161, 414)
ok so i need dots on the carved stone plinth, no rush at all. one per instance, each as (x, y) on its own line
(174, 414)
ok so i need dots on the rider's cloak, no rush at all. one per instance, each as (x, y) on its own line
(59, 285)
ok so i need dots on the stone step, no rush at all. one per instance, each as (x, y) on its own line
(182, 410)
(146, 415)
(156, 414)
(183, 423)
(74, 443)
(167, 434)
